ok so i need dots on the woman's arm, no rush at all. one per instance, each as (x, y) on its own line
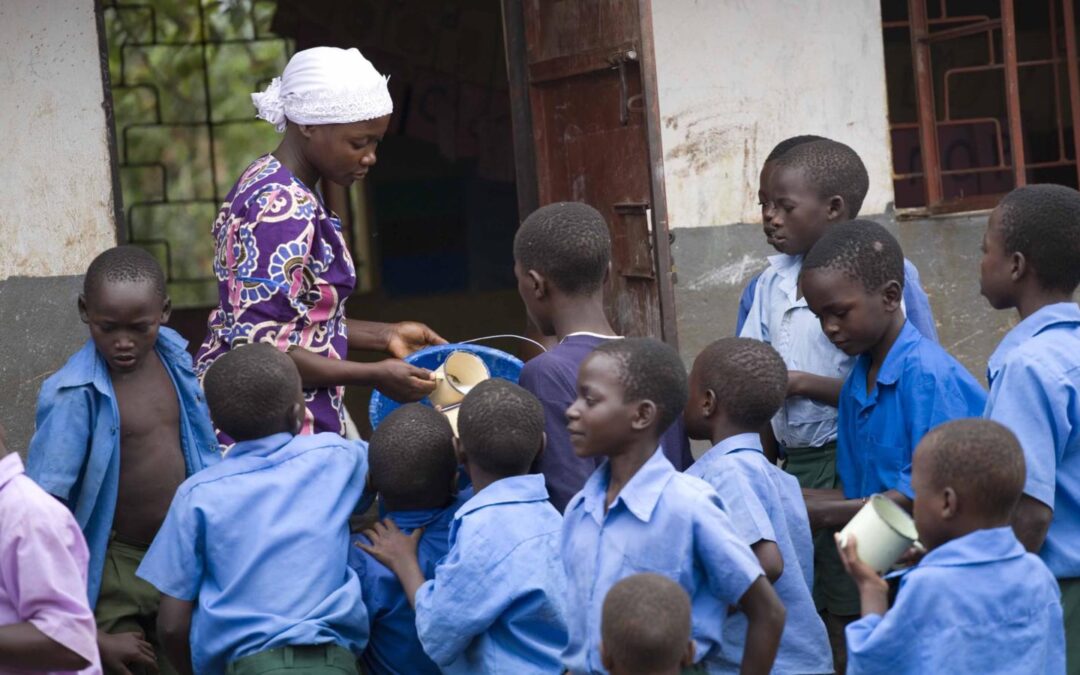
(397, 379)
(397, 339)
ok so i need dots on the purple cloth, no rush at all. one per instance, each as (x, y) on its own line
(43, 560)
(284, 273)
(552, 378)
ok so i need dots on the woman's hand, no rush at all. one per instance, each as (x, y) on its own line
(410, 336)
(402, 382)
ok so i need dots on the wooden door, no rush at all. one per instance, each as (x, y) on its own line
(584, 104)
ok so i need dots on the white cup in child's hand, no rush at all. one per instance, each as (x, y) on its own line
(883, 532)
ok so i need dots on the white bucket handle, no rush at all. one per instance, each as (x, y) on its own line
(495, 337)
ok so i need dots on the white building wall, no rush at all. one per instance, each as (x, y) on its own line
(737, 76)
(57, 190)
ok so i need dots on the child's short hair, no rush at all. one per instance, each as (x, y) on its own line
(123, 264)
(568, 243)
(411, 455)
(652, 370)
(501, 427)
(788, 143)
(981, 460)
(249, 390)
(748, 376)
(861, 250)
(1043, 223)
(645, 625)
(831, 168)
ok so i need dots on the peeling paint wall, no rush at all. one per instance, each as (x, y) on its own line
(737, 76)
(57, 190)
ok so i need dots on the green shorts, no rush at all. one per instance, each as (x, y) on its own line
(1070, 607)
(834, 591)
(300, 660)
(128, 604)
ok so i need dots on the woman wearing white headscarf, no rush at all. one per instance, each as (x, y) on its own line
(284, 271)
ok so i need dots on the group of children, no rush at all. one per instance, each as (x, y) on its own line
(566, 527)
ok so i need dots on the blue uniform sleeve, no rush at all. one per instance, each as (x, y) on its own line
(174, 563)
(893, 643)
(1029, 401)
(940, 397)
(746, 300)
(470, 591)
(917, 303)
(61, 441)
(754, 325)
(742, 504)
(729, 564)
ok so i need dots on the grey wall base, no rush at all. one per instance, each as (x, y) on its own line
(714, 264)
(41, 329)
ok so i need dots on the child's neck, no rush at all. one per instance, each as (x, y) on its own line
(580, 314)
(965, 526)
(881, 350)
(724, 429)
(1033, 299)
(481, 479)
(627, 463)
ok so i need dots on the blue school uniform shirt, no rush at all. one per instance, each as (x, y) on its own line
(661, 521)
(552, 378)
(918, 387)
(75, 452)
(1034, 379)
(976, 604)
(783, 319)
(393, 647)
(746, 301)
(497, 603)
(765, 503)
(259, 542)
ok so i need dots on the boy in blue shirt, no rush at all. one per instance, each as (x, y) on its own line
(746, 300)
(562, 256)
(637, 514)
(736, 386)
(811, 188)
(252, 559)
(497, 601)
(119, 427)
(976, 602)
(646, 627)
(412, 467)
(1030, 261)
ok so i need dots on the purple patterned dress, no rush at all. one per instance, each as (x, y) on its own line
(284, 273)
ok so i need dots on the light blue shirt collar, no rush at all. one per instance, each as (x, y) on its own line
(787, 268)
(738, 443)
(1046, 317)
(640, 494)
(512, 490)
(974, 548)
(260, 447)
(87, 366)
(894, 361)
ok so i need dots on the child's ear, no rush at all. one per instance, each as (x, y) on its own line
(949, 504)
(645, 415)
(166, 310)
(459, 451)
(539, 284)
(893, 294)
(688, 656)
(296, 418)
(708, 404)
(607, 273)
(1018, 264)
(82, 309)
(837, 208)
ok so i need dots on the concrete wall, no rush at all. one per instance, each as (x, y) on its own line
(735, 77)
(57, 192)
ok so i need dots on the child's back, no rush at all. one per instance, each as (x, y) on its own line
(259, 540)
(412, 468)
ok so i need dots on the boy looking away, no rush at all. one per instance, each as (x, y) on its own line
(252, 559)
(413, 470)
(646, 627)
(637, 514)
(496, 603)
(562, 256)
(736, 386)
(1031, 262)
(976, 602)
(45, 620)
(119, 427)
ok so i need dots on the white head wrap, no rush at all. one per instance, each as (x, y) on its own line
(325, 85)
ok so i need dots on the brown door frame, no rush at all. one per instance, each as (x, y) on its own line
(525, 149)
